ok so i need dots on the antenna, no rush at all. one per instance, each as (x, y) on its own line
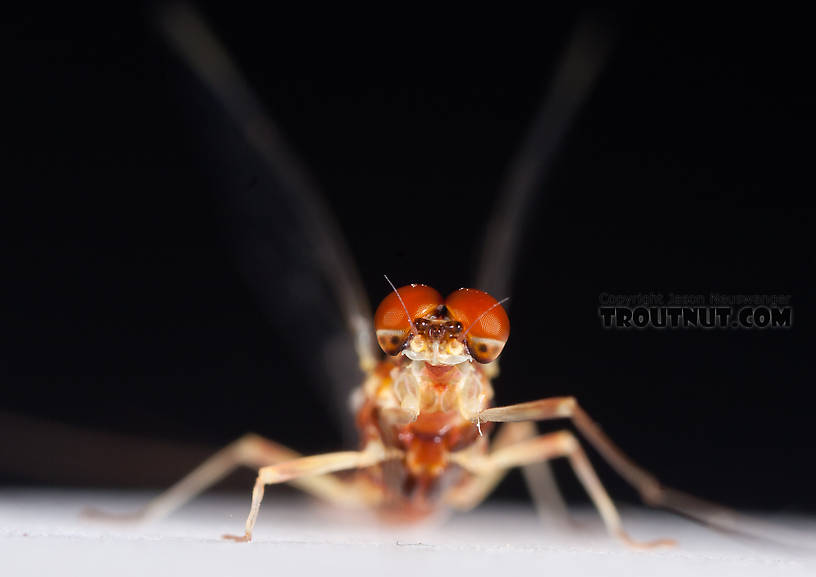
(487, 310)
(407, 314)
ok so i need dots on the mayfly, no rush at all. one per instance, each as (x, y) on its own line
(425, 412)
(422, 410)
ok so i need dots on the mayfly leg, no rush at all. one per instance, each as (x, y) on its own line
(567, 407)
(538, 476)
(307, 468)
(544, 448)
(650, 489)
(250, 451)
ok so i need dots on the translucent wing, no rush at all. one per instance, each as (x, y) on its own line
(578, 70)
(579, 67)
(576, 74)
(286, 235)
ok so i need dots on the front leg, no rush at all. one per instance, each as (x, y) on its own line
(373, 454)
(650, 489)
(251, 451)
(567, 407)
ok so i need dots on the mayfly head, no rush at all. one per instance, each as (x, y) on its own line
(417, 322)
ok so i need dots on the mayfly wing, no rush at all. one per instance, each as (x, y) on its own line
(291, 249)
(524, 184)
(580, 64)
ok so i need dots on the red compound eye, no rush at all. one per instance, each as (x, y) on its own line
(393, 326)
(485, 322)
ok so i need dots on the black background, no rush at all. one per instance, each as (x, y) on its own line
(124, 311)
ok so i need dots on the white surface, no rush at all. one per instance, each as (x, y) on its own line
(42, 533)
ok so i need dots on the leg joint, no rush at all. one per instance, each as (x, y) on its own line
(566, 408)
(567, 442)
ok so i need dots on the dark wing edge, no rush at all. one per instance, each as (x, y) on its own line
(186, 31)
(577, 72)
